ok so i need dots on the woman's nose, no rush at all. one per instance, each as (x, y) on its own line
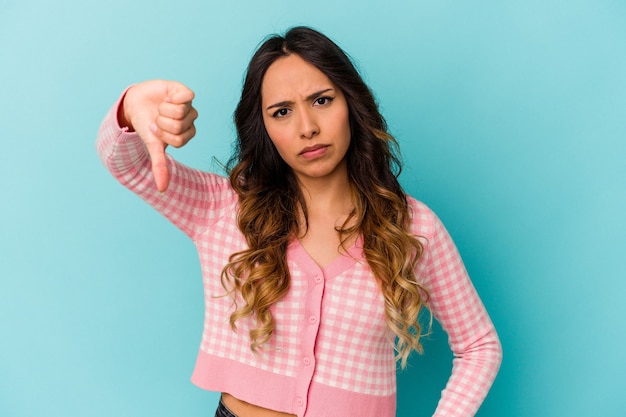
(308, 124)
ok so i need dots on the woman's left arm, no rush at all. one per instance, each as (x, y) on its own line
(455, 304)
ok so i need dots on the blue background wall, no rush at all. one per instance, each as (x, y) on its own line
(512, 120)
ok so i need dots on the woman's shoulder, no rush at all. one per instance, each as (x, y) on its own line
(419, 208)
(423, 218)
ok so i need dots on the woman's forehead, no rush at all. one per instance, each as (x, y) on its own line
(292, 78)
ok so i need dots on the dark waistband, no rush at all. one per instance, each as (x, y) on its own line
(223, 411)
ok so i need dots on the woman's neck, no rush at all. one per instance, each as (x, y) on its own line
(327, 196)
(327, 231)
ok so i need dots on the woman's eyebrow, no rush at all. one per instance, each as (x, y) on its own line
(308, 98)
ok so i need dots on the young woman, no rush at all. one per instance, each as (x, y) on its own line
(315, 262)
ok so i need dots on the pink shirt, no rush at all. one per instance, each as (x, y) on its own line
(331, 353)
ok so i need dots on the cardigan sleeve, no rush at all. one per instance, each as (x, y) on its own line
(193, 200)
(455, 304)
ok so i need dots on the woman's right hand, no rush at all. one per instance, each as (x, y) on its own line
(162, 114)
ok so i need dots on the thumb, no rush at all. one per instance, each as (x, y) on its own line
(161, 175)
(178, 93)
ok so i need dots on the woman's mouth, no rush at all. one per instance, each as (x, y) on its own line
(312, 152)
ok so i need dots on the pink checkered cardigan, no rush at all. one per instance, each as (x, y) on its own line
(331, 353)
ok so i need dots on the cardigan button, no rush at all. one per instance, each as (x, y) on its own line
(318, 279)
(306, 361)
(312, 319)
(300, 401)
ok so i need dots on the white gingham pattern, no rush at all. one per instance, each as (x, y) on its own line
(456, 305)
(330, 328)
(355, 344)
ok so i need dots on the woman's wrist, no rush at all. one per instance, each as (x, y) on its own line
(122, 119)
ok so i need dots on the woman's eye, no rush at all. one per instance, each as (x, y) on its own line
(281, 113)
(323, 100)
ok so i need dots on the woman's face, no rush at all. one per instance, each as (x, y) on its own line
(306, 117)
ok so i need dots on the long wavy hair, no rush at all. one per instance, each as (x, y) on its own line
(271, 202)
